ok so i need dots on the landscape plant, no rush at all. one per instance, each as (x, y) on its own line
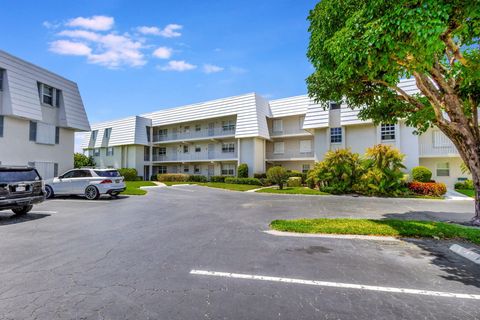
(129, 174)
(421, 174)
(277, 175)
(81, 161)
(250, 181)
(361, 49)
(242, 171)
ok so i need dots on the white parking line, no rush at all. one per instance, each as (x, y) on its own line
(336, 284)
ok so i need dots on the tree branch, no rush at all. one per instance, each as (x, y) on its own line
(452, 46)
(405, 96)
(425, 86)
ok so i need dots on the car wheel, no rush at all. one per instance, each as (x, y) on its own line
(22, 210)
(48, 192)
(91, 193)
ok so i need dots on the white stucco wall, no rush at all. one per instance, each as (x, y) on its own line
(455, 169)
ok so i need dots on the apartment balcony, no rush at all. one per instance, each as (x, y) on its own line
(289, 132)
(289, 156)
(195, 157)
(445, 150)
(203, 134)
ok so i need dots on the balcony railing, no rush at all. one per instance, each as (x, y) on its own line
(286, 132)
(446, 150)
(289, 155)
(194, 156)
(194, 134)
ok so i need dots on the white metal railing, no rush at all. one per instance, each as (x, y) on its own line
(288, 155)
(194, 134)
(285, 132)
(194, 156)
(444, 150)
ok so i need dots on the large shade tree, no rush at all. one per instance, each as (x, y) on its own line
(361, 49)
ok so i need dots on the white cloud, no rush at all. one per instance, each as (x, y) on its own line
(97, 23)
(67, 47)
(110, 50)
(211, 68)
(163, 53)
(238, 70)
(170, 31)
(178, 65)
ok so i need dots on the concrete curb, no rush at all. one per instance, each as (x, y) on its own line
(466, 253)
(151, 187)
(331, 236)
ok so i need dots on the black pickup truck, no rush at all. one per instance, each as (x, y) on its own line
(20, 189)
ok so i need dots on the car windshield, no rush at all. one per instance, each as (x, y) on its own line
(107, 173)
(15, 175)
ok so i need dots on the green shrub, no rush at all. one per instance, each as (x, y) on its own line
(277, 175)
(197, 178)
(80, 160)
(242, 171)
(250, 181)
(265, 182)
(435, 189)
(337, 173)
(153, 177)
(421, 174)
(294, 182)
(219, 178)
(383, 174)
(260, 175)
(294, 173)
(173, 177)
(129, 174)
(466, 185)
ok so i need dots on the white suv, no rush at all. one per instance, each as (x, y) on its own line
(89, 182)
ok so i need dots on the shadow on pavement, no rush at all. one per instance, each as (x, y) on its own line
(102, 198)
(8, 217)
(461, 218)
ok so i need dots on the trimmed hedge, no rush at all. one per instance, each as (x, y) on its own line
(242, 171)
(435, 189)
(294, 182)
(421, 174)
(197, 178)
(260, 175)
(219, 178)
(129, 174)
(465, 185)
(173, 177)
(250, 181)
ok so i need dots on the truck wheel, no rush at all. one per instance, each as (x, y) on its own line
(22, 210)
(48, 192)
(91, 193)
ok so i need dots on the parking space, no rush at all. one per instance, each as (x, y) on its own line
(133, 257)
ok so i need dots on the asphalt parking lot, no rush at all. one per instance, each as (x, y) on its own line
(132, 258)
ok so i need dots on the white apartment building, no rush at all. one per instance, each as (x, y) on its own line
(213, 137)
(39, 115)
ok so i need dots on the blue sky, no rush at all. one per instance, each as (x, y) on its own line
(130, 57)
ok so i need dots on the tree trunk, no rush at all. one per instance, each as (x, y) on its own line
(476, 183)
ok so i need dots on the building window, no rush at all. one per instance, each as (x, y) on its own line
(228, 125)
(334, 105)
(186, 169)
(228, 147)
(278, 125)
(198, 127)
(55, 169)
(387, 132)
(305, 168)
(109, 151)
(335, 135)
(33, 131)
(1, 79)
(162, 151)
(186, 129)
(196, 169)
(443, 169)
(162, 169)
(148, 133)
(305, 146)
(94, 135)
(185, 149)
(198, 149)
(1, 125)
(58, 94)
(162, 132)
(107, 133)
(96, 152)
(279, 147)
(146, 153)
(46, 94)
(228, 169)
(57, 135)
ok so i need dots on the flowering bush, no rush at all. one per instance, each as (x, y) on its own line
(435, 189)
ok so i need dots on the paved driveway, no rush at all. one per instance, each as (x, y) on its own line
(131, 258)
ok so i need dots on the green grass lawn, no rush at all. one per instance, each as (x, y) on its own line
(467, 192)
(292, 190)
(133, 187)
(221, 185)
(387, 227)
